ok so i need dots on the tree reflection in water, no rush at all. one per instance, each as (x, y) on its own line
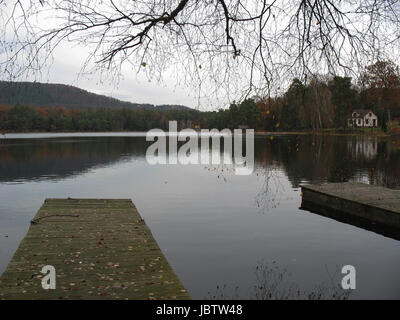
(273, 282)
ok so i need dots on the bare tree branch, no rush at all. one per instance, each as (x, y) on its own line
(221, 47)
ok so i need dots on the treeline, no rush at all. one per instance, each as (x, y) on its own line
(21, 118)
(328, 102)
(54, 95)
(322, 102)
(318, 104)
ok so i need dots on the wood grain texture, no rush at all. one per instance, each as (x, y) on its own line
(101, 249)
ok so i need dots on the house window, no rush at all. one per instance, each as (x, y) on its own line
(359, 121)
(366, 121)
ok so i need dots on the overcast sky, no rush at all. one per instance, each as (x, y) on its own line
(69, 57)
(131, 86)
(263, 66)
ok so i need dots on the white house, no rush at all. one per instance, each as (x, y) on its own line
(362, 118)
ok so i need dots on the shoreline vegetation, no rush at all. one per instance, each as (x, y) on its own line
(321, 105)
(336, 132)
(255, 114)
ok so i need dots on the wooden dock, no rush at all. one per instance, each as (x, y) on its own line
(372, 206)
(100, 249)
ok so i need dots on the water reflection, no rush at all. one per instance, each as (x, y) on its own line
(359, 222)
(55, 159)
(321, 158)
(274, 282)
(303, 158)
(206, 219)
(362, 147)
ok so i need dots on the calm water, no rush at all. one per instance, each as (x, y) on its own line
(216, 228)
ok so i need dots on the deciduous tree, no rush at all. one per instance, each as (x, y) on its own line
(239, 46)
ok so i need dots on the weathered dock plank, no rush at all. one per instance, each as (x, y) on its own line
(375, 204)
(100, 249)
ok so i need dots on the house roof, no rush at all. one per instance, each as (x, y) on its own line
(362, 113)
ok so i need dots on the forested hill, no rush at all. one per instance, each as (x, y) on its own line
(59, 95)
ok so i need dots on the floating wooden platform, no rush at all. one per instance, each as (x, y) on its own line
(372, 205)
(101, 249)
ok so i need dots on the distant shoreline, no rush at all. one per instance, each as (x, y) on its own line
(332, 132)
(378, 133)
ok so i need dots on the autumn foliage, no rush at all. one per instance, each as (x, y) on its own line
(322, 102)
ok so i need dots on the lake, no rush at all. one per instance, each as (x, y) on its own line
(225, 235)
